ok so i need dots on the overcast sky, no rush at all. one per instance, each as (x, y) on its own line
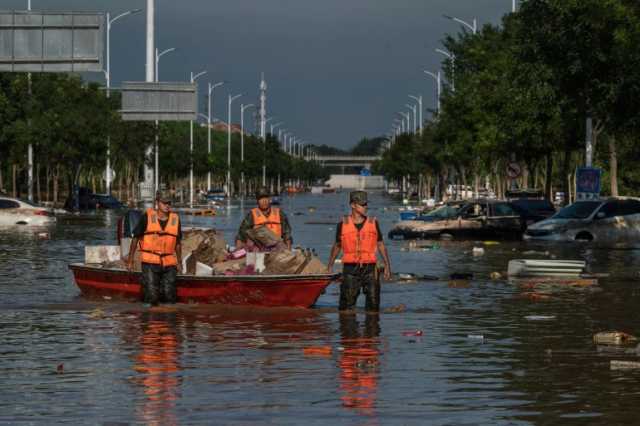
(337, 70)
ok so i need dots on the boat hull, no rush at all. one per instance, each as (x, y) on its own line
(253, 290)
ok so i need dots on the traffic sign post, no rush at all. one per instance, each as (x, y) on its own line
(514, 171)
(588, 183)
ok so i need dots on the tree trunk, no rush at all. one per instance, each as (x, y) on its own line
(548, 191)
(476, 186)
(613, 166)
(566, 172)
(14, 169)
(1, 181)
(56, 176)
(38, 193)
(47, 181)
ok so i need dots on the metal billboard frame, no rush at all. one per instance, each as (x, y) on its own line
(52, 41)
(161, 101)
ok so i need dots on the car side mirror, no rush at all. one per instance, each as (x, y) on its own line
(600, 215)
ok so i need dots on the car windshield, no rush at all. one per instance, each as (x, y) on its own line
(443, 212)
(579, 210)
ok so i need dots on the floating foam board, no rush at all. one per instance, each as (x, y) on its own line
(551, 268)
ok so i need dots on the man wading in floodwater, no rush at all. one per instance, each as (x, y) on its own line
(159, 232)
(359, 237)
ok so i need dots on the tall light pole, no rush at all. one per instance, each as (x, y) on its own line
(415, 117)
(242, 109)
(149, 78)
(209, 118)
(193, 78)
(419, 100)
(452, 58)
(438, 79)
(229, 101)
(513, 6)
(273, 126)
(156, 173)
(107, 75)
(473, 27)
(406, 116)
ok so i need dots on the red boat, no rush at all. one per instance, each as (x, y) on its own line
(258, 290)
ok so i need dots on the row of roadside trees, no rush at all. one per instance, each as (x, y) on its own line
(68, 122)
(523, 91)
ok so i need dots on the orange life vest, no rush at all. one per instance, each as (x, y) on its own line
(272, 221)
(359, 246)
(158, 246)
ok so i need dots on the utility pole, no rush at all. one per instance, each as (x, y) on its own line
(263, 126)
(150, 77)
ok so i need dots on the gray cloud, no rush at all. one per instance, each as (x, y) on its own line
(337, 70)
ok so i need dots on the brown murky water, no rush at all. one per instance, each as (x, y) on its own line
(491, 351)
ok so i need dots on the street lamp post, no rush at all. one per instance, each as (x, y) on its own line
(415, 117)
(438, 79)
(473, 27)
(452, 58)
(242, 109)
(419, 100)
(209, 118)
(107, 75)
(229, 101)
(194, 77)
(273, 126)
(156, 147)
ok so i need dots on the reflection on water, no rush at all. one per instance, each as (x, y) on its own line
(158, 365)
(481, 358)
(359, 362)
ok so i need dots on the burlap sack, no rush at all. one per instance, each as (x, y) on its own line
(263, 236)
(228, 266)
(294, 262)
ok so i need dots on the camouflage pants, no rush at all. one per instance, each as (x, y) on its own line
(363, 277)
(159, 284)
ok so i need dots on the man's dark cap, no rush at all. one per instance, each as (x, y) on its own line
(358, 197)
(262, 192)
(163, 196)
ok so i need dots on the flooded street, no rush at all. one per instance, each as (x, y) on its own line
(489, 352)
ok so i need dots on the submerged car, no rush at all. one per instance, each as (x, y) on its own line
(481, 220)
(612, 222)
(107, 201)
(14, 211)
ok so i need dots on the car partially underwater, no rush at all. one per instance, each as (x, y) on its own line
(480, 220)
(611, 222)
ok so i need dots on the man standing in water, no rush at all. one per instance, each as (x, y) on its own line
(265, 215)
(359, 237)
(159, 233)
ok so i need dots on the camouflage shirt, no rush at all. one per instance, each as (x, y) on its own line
(247, 224)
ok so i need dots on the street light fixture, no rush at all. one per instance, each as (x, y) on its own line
(438, 79)
(242, 109)
(415, 116)
(209, 118)
(452, 58)
(473, 28)
(156, 172)
(194, 77)
(107, 74)
(419, 100)
(273, 126)
(229, 101)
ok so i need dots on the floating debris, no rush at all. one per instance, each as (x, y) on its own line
(412, 333)
(613, 338)
(495, 276)
(475, 336)
(624, 365)
(477, 251)
(540, 317)
(395, 309)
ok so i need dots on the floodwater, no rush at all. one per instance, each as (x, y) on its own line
(480, 359)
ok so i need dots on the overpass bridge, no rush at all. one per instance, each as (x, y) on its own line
(363, 161)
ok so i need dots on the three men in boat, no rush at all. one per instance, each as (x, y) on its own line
(159, 235)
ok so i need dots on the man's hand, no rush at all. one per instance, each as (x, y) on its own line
(130, 263)
(330, 269)
(179, 266)
(387, 273)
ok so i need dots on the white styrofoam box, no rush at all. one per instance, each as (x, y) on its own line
(125, 244)
(101, 254)
(202, 269)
